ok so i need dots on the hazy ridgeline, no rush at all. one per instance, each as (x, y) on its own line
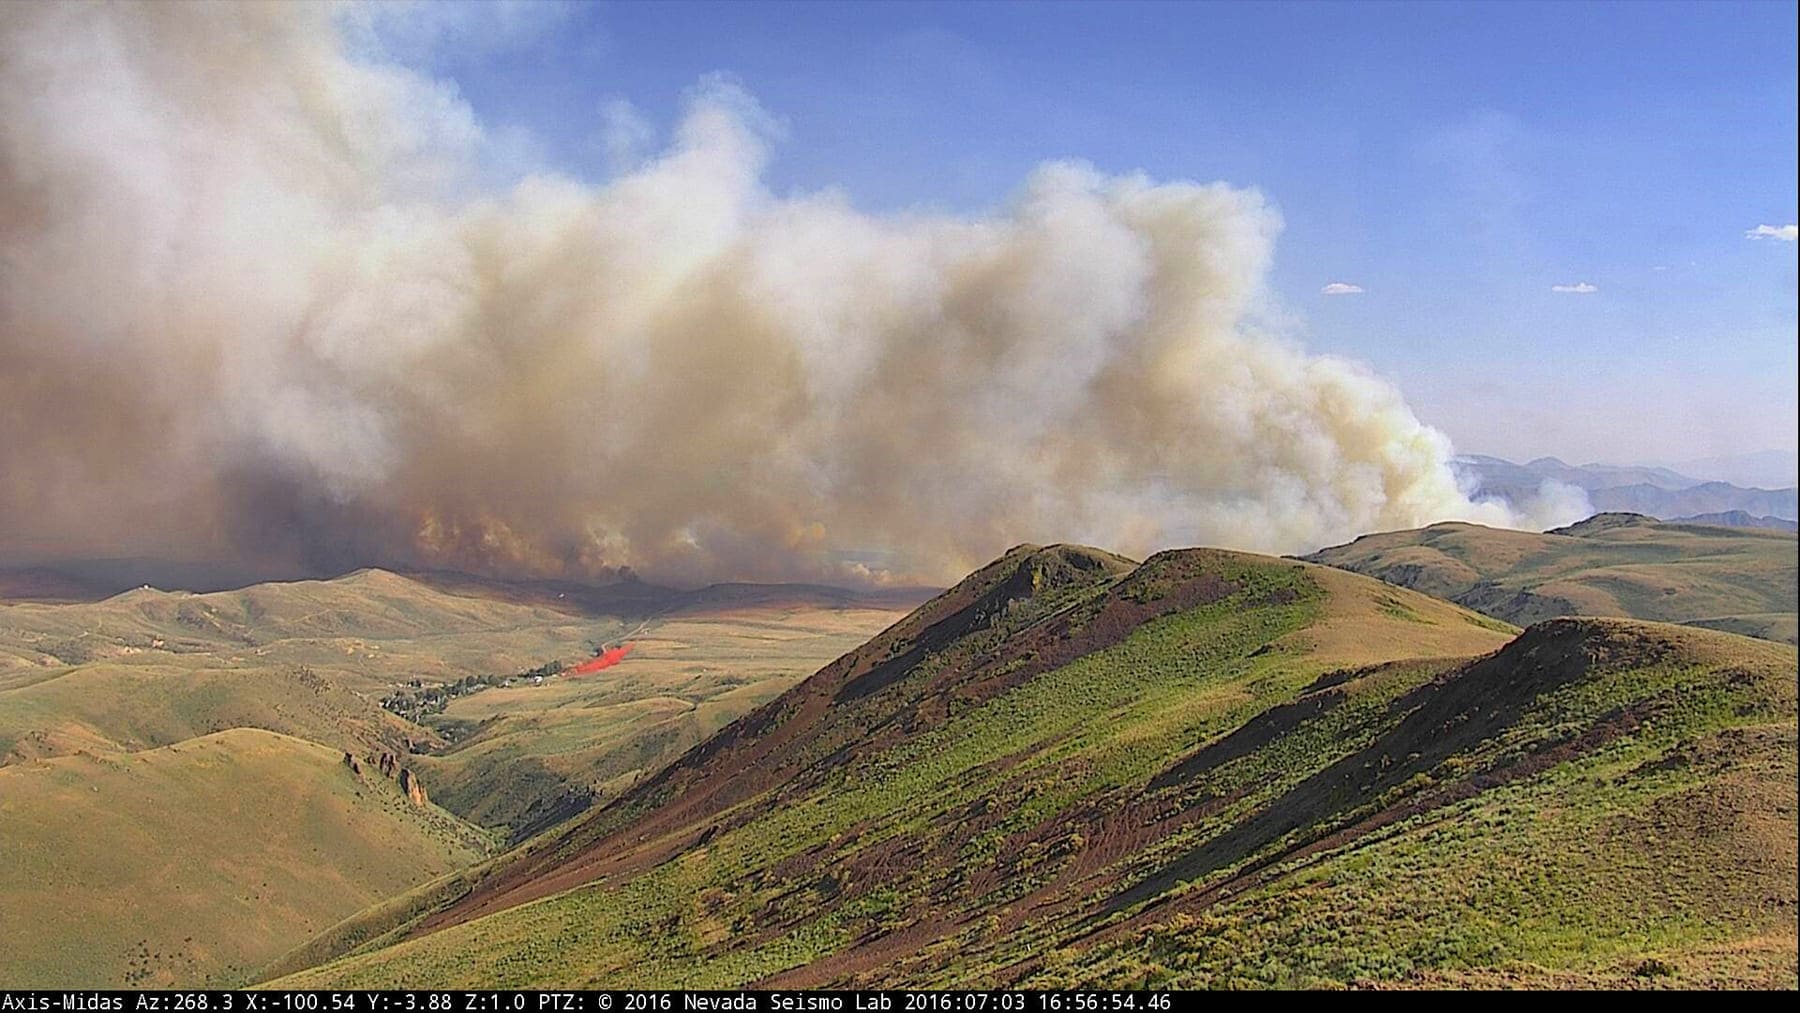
(266, 303)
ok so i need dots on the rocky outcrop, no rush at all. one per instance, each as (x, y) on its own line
(409, 784)
(388, 765)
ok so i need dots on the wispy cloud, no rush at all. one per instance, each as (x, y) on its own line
(626, 135)
(1341, 288)
(1785, 233)
(1579, 288)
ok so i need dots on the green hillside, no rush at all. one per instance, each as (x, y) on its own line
(1740, 580)
(195, 863)
(1212, 769)
(1604, 803)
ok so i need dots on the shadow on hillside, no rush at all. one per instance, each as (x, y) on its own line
(1453, 713)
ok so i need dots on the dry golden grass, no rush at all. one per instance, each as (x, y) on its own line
(1740, 579)
(197, 862)
(1364, 623)
(154, 729)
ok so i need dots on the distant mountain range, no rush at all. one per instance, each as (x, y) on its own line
(1766, 469)
(1740, 519)
(1653, 491)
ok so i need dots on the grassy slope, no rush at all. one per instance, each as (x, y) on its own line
(308, 658)
(1063, 770)
(692, 672)
(312, 659)
(1736, 579)
(118, 707)
(369, 630)
(197, 862)
(91, 689)
(1629, 822)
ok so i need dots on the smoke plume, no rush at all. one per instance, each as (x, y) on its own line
(260, 304)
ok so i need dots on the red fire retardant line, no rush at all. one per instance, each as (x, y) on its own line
(605, 659)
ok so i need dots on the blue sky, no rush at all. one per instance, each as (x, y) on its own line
(1456, 162)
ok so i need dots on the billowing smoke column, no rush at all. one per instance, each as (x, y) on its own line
(259, 305)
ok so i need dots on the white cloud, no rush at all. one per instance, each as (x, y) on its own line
(1785, 233)
(1579, 288)
(626, 134)
(1341, 288)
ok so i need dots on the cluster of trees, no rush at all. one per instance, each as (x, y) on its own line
(417, 700)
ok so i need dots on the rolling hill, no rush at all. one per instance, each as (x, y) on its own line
(151, 729)
(525, 757)
(314, 659)
(1209, 769)
(194, 863)
(310, 659)
(1736, 579)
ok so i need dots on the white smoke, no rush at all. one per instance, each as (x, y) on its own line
(1554, 505)
(257, 303)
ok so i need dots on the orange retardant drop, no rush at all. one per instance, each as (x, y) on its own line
(605, 659)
